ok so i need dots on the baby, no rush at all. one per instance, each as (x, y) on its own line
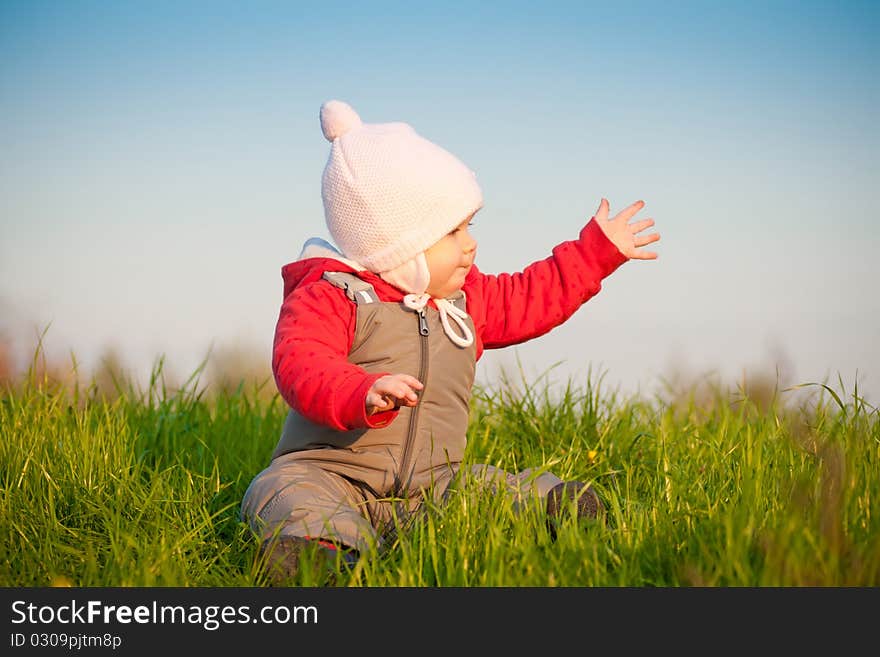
(376, 343)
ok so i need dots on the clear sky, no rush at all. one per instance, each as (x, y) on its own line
(160, 162)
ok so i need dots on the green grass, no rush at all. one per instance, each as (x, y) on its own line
(142, 487)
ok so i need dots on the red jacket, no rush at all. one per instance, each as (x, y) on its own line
(316, 324)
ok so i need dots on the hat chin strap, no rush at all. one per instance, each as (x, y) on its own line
(413, 276)
(447, 309)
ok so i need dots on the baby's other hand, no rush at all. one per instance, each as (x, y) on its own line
(624, 234)
(391, 392)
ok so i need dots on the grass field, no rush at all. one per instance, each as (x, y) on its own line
(712, 488)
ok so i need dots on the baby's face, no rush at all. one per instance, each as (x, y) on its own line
(450, 260)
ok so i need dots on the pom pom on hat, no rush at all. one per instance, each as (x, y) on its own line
(337, 118)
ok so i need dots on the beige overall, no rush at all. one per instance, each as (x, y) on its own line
(347, 486)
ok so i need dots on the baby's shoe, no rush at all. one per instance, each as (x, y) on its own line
(283, 556)
(561, 497)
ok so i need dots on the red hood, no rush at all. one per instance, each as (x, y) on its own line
(309, 270)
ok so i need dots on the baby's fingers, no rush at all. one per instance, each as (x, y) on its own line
(400, 388)
(411, 381)
(645, 255)
(405, 391)
(628, 213)
(602, 212)
(639, 226)
(406, 397)
(647, 239)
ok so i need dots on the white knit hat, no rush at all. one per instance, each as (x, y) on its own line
(389, 193)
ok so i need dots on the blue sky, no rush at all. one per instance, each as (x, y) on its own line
(160, 162)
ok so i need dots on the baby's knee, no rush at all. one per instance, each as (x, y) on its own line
(270, 493)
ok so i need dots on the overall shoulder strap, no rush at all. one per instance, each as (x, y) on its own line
(355, 289)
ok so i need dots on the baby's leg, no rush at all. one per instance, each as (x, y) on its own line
(522, 486)
(556, 495)
(300, 499)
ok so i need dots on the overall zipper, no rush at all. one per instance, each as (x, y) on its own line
(414, 415)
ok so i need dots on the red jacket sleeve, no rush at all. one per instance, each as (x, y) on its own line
(310, 359)
(517, 307)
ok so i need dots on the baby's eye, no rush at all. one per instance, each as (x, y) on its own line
(460, 228)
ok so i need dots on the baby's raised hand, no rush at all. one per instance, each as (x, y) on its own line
(624, 235)
(392, 391)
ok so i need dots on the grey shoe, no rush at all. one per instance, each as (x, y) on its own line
(561, 496)
(283, 557)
